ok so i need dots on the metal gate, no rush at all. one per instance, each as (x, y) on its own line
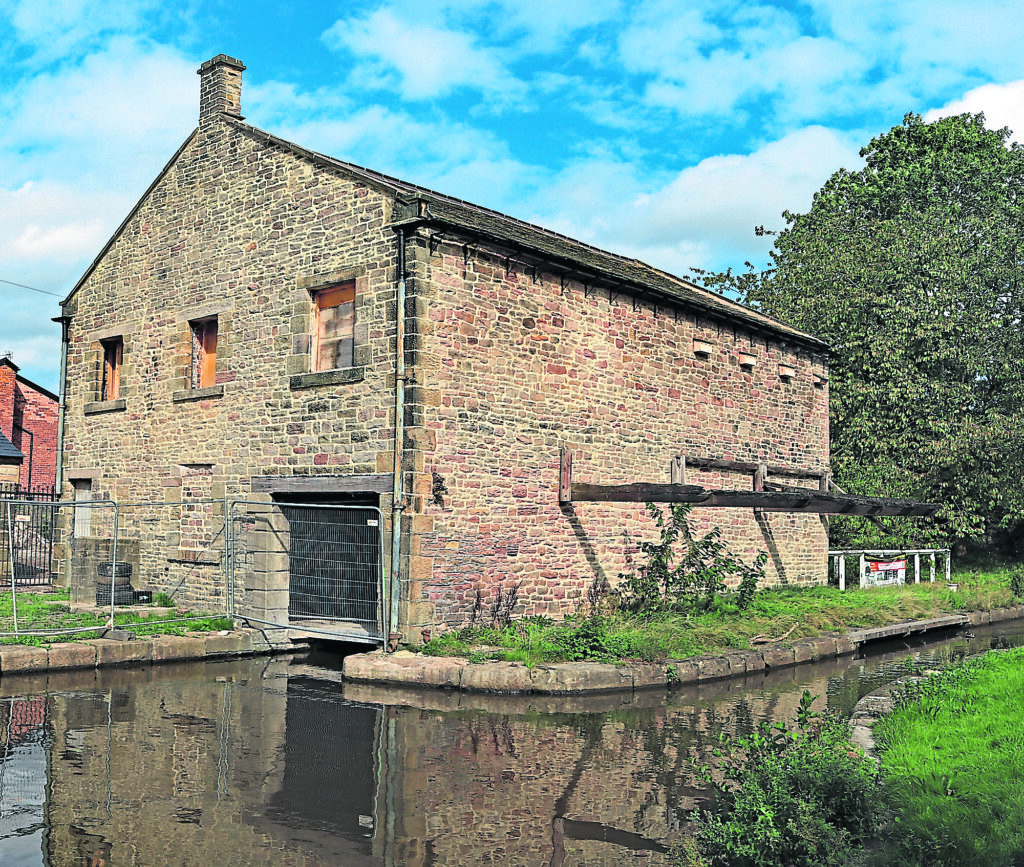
(317, 568)
(27, 527)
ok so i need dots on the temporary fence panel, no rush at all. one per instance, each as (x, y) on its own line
(318, 568)
(26, 546)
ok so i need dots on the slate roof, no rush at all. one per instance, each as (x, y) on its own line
(8, 452)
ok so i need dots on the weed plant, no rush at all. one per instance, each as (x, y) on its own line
(952, 755)
(793, 795)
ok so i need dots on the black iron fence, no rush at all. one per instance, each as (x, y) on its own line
(28, 522)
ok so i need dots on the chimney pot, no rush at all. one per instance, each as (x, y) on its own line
(220, 88)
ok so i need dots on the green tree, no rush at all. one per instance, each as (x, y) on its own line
(911, 268)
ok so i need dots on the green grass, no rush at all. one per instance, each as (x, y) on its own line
(791, 612)
(953, 760)
(46, 612)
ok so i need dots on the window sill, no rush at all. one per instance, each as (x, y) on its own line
(341, 376)
(97, 406)
(197, 393)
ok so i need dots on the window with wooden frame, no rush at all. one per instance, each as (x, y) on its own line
(334, 309)
(113, 352)
(204, 352)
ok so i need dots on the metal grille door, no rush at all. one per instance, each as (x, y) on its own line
(334, 563)
(27, 537)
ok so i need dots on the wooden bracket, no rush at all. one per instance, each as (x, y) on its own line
(677, 470)
(565, 475)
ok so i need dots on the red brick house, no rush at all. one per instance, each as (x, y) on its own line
(237, 338)
(28, 425)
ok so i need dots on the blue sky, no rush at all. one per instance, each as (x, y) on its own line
(660, 129)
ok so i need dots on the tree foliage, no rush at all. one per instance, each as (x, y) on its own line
(911, 269)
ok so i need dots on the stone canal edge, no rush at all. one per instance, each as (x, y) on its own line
(406, 668)
(125, 649)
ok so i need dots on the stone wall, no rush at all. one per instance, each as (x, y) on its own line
(515, 367)
(243, 230)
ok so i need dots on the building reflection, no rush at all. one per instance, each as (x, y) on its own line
(276, 762)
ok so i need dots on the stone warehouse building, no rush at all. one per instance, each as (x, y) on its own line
(236, 338)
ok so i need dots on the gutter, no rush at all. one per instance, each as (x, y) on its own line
(398, 488)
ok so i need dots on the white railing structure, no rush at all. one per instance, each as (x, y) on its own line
(864, 564)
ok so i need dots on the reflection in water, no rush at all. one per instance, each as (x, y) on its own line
(275, 762)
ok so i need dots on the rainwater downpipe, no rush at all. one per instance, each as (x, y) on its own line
(398, 489)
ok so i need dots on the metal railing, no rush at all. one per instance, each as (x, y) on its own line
(314, 567)
(864, 557)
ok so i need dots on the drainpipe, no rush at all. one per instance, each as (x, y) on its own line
(31, 452)
(398, 490)
(65, 322)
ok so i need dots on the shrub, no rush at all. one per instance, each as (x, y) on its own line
(1017, 582)
(688, 579)
(793, 796)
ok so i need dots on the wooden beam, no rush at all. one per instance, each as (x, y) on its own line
(789, 500)
(638, 492)
(751, 467)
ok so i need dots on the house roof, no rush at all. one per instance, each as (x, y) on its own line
(420, 206)
(423, 206)
(8, 452)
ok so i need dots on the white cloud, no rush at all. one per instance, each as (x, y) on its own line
(424, 61)
(704, 216)
(1002, 104)
(55, 27)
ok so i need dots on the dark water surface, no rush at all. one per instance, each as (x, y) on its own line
(276, 762)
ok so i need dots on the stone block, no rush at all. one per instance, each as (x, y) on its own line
(579, 677)
(844, 646)
(804, 651)
(712, 668)
(167, 648)
(71, 654)
(746, 661)
(681, 671)
(404, 667)
(497, 677)
(647, 675)
(778, 656)
(110, 652)
(231, 644)
(21, 657)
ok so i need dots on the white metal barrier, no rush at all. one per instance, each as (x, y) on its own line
(868, 577)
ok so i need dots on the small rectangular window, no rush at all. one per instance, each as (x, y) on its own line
(335, 313)
(83, 514)
(204, 352)
(113, 352)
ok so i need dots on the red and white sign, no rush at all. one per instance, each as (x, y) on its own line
(885, 572)
(891, 566)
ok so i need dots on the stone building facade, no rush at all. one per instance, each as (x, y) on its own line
(28, 422)
(236, 337)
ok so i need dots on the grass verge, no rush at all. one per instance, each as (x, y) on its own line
(772, 614)
(51, 612)
(952, 757)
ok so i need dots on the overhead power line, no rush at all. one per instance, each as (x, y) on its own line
(33, 288)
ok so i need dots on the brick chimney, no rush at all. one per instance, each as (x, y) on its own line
(8, 382)
(220, 88)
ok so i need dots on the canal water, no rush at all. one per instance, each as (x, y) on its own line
(277, 762)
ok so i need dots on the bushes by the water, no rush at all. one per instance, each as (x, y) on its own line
(800, 795)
